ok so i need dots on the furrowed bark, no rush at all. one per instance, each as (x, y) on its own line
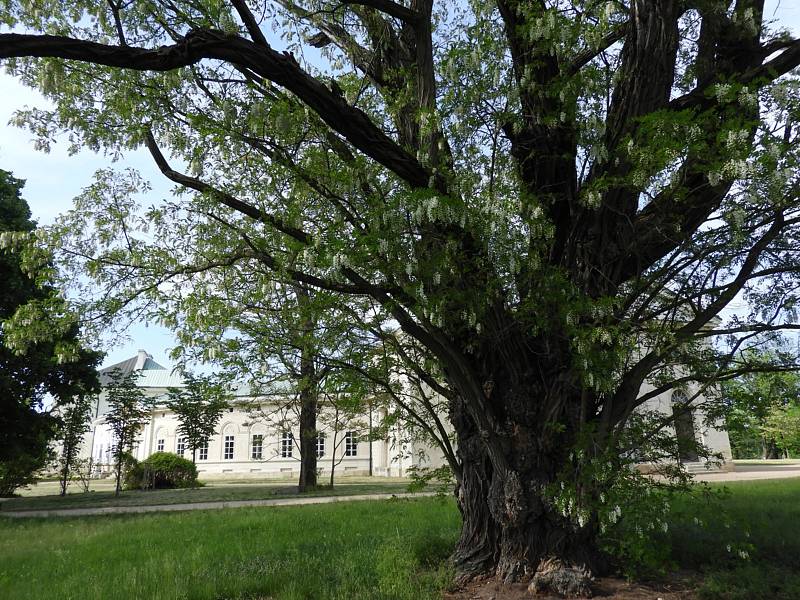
(309, 390)
(510, 523)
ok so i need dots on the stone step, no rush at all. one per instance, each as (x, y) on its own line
(699, 467)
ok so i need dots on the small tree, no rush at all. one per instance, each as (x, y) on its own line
(128, 410)
(342, 411)
(198, 406)
(84, 469)
(74, 423)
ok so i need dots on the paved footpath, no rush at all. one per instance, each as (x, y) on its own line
(752, 472)
(120, 510)
(743, 472)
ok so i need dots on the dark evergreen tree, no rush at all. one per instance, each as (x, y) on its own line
(55, 365)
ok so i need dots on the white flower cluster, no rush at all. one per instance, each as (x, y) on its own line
(746, 19)
(469, 317)
(738, 168)
(9, 239)
(748, 98)
(227, 23)
(196, 167)
(723, 92)
(602, 335)
(599, 153)
(432, 209)
(592, 199)
(781, 177)
(582, 518)
(308, 257)
(340, 261)
(543, 27)
(735, 139)
(213, 351)
(615, 514)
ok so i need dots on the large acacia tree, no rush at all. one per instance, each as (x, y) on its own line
(554, 199)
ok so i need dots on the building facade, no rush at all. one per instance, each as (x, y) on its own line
(257, 436)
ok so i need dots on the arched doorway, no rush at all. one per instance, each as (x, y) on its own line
(683, 419)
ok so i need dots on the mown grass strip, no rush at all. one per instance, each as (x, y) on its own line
(387, 549)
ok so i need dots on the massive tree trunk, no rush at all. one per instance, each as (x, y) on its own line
(510, 522)
(518, 433)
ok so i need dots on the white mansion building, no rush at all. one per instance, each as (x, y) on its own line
(256, 437)
(253, 444)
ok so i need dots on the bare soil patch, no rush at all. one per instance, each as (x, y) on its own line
(675, 587)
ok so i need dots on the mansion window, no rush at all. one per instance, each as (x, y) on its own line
(228, 448)
(350, 444)
(287, 444)
(180, 447)
(160, 445)
(320, 444)
(258, 447)
(202, 451)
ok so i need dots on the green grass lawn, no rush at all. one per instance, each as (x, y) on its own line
(761, 517)
(214, 492)
(381, 549)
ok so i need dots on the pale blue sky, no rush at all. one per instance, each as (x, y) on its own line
(54, 179)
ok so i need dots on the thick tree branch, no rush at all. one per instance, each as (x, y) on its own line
(223, 197)
(703, 97)
(250, 22)
(625, 400)
(282, 69)
(585, 57)
(393, 9)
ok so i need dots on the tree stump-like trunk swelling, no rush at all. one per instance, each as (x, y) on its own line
(511, 528)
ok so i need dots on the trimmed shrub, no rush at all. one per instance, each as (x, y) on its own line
(162, 470)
